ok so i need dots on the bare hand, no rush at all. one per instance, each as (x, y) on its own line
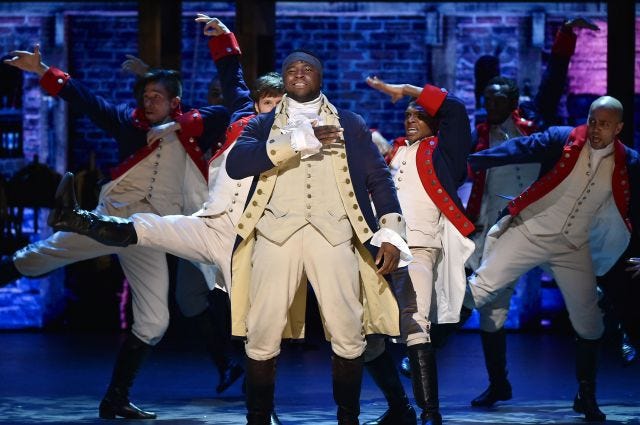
(328, 134)
(161, 131)
(383, 145)
(134, 65)
(581, 22)
(213, 26)
(27, 61)
(389, 255)
(393, 90)
(634, 266)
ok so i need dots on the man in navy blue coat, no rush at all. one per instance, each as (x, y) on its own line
(316, 172)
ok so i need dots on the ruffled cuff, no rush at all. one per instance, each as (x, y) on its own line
(387, 235)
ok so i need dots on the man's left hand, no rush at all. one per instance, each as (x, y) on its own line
(328, 134)
(389, 255)
(161, 131)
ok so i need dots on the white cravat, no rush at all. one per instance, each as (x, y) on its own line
(302, 117)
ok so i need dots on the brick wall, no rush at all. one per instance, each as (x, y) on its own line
(354, 47)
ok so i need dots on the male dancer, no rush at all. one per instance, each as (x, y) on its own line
(162, 171)
(576, 218)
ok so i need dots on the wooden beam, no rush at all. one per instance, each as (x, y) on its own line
(255, 30)
(621, 49)
(160, 32)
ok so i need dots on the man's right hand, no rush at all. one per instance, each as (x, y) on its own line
(27, 61)
(135, 66)
(393, 90)
(213, 26)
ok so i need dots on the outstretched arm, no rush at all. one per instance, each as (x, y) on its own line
(28, 61)
(395, 91)
(554, 78)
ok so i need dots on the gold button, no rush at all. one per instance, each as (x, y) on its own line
(366, 230)
(347, 181)
(343, 155)
(308, 186)
(254, 203)
(344, 168)
(259, 191)
(248, 215)
(360, 218)
(271, 141)
(240, 226)
(273, 151)
(384, 221)
(399, 219)
(308, 195)
(351, 194)
(355, 206)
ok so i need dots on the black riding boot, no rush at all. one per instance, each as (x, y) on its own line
(424, 377)
(261, 382)
(217, 340)
(116, 401)
(69, 217)
(494, 347)
(586, 365)
(384, 374)
(8, 271)
(347, 383)
(440, 334)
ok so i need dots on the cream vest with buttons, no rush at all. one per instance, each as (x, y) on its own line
(167, 179)
(570, 206)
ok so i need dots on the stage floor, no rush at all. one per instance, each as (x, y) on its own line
(59, 378)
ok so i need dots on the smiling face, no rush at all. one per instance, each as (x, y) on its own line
(157, 102)
(302, 81)
(415, 125)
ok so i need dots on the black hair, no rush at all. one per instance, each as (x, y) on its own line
(432, 122)
(169, 79)
(269, 84)
(512, 91)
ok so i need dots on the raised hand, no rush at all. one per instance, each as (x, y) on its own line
(581, 22)
(28, 61)
(393, 90)
(213, 26)
(134, 65)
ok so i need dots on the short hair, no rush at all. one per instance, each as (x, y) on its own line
(169, 79)
(269, 84)
(512, 91)
(432, 122)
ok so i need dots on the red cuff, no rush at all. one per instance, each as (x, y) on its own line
(223, 45)
(191, 124)
(565, 43)
(53, 80)
(431, 98)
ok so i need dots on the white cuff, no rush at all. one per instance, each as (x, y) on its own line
(304, 140)
(387, 235)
